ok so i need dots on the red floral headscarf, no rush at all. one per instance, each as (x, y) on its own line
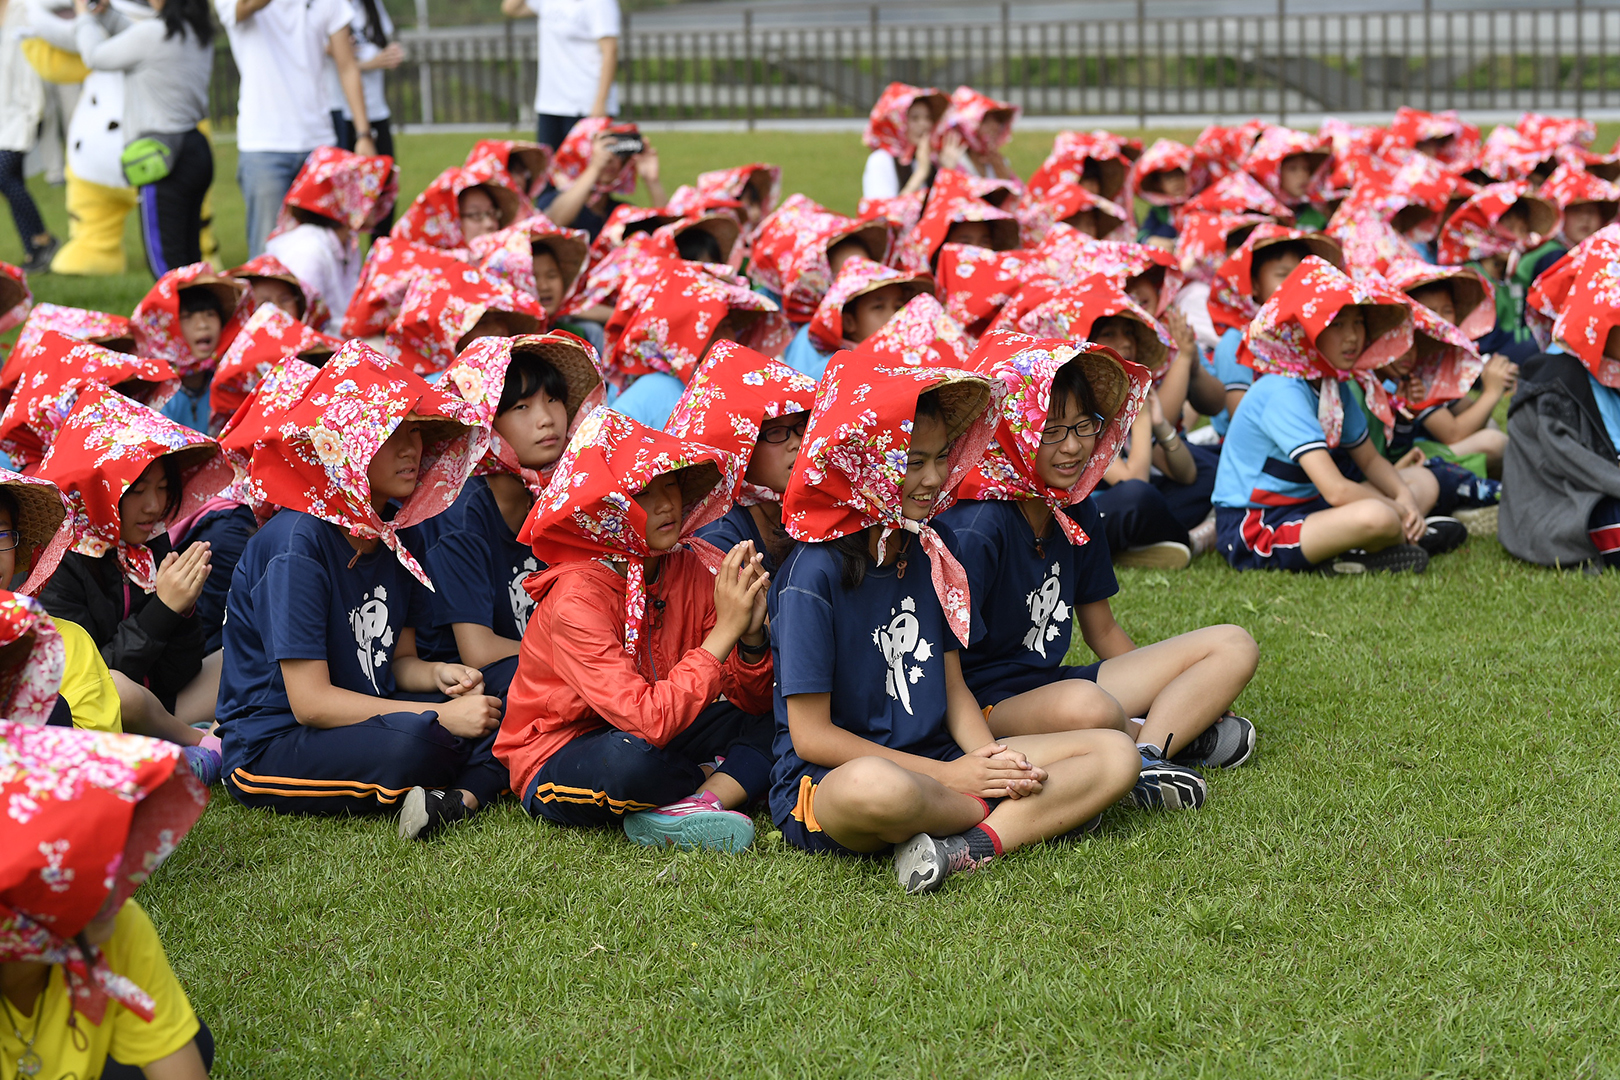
(1073, 310)
(536, 157)
(901, 212)
(625, 222)
(589, 511)
(103, 328)
(349, 189)
(978, 282)
(1556, 131)
(1231, 297)
(886, 126)
(852, 463)
(790, 251)
(1068, 255)
(508, 255)
(270, 336)
(391, 266)
(1472, 232)
(604, 278)
(1446, 365)
(1221, 150)
(1265, 158)
(1509, 154)
(1070, 152)
(1163, 156)
(1238, 193)
(859, 277)
(950, 202)
(575, 154)
(1371, 245)
(29, 688)
(920, 334)
(1549, 292)
(1201, 239)
(103, 447)
(15, 299)
(42, 519)
(315, 456)
(50, 384)
(966, 117)
(731, 183)
(1026, 366)
(268, 266)
(1571, 184)
(91, 816)
(1417, 181)
(1471, 292)
(729, 399)
(440, 309)
(1591, 307)
(670, 320)
(478, 377)
(1062, 201)
(256, 422)
(156, 318)
(1412, 126)
(435, 217)
(1282, 338)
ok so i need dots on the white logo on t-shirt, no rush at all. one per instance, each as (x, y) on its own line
(899, 641)
(522, 602)
(373, 637)
(1046, 610)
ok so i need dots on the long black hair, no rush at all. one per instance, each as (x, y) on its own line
(374, 26)
(181, 15)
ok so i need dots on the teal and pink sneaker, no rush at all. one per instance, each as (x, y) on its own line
(698, 823)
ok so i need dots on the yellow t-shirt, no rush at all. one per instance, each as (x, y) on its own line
(134, 950)
(86, 683)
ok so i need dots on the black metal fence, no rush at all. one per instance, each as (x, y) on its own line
(1546, 58)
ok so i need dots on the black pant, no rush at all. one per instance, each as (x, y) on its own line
(23, 210)
(171, 209)
(1135, 513)
(1190, 502)
(117, 1070)
(552, 130)
(343, 128)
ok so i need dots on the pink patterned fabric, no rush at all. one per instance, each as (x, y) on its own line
(270, 336)
(43, 521)
(1591, 307)
(1063, 201)
(28, 689)
(89, 817)
(589, 511)
(1510, 155)
(859, 277)
(103, 447)
(268, 266)
(441, 309)
(1474, 232)
(1074, 309)
(966, 117)
(156, 319)
(316, 451)
(1570, 184)
(921, 334)
(113, 331)
(1070, 152)
(1412, 126)
(886, 126)
(575, 154)
(790, 251)
(15, 299)
(1445, 362)
(434, 218)
(732, 183)
(1370, 243)
(355, 191)
(508, 255)
(1556, 131)
(534, 157)
(1265, 158)
(1472, 292)
(390, 267)
(255, 422)
(666, 320)
(1163, 156)
(1232, 304)
(978, 282)
(1201, 239)
(950, 202)
(1221, 150)
(1418, 181)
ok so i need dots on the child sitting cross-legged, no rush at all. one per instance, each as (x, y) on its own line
(880, 742)
(644, 677)
(1038, 566)
(1281, 500)
(862, 300)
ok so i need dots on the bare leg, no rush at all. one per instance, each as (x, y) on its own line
(1488, 441)
(1087, 772)
(1425, 488)
(871, 802)
(1369, 524)
(195, 704)
(723, 787)
(144, 714)
(1183, 684)
(1062, 705)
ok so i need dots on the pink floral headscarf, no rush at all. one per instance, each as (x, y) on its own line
(1571, 184)
(508, 255)
(1074, 309)
(1591, 306)
(1221, 150)
(1412, 126)
(1473, 232)
(1201, 239)
(256, 422)
(1446, 365)
(575, 154)
(434, 218)
(859, 277)
(103, 328)
(536, 157)
(90, 817)
(156, 318)
(729, 399)
(731, 183)
(1417, 181)
(951, 202)
(1472, 292)
(1070, 152)
(270, 336)
(268, 266)
(316, 452)
(15, 299)
(441, 309)
(668, 323)
(589, 511)
(1163, 156)
(352, 190)
(1063, 201)
(391, 265)
(790, 251)
(1509, 154)
(1026, 366)
(886, 126)
(1265, 158)
(920, 334)
(1556, 131)
(966, 117)
(1231, 298)
(28, 690)
(103, 447)
(1067, 255)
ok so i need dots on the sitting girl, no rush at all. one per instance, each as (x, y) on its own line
(879, 741)
(445, 312)
(754, 407)
(82, 969)
(189, 318)
(900, 133)
(460, 205)
(326, 707)
(645, 674)
(589, 170)
(984, 126)
(861, 301)
(1165, 176)
(1292, 166)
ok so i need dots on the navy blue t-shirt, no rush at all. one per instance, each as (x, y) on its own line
(736, 526)
(227, 533)
(879, 649)
(299, 593)
(478, 567)
(1024, 595)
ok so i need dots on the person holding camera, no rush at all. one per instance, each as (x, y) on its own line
(579, 52)
(598, 160)
(167, 61)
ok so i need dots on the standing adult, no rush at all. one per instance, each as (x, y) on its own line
(374, 52)
(22, 103)
(579, 54)
(280, 48)
(167, 61)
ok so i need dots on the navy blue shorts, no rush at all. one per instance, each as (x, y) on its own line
(801, 829)
(1265, 539)
(1033, 679)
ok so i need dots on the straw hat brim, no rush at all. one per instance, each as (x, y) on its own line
(696, 482)
(724, 228)
(874, 235)
(570, 253)
(1467, 290)
(435, 429)
(228, 291)
(1114, 172)
(40, 512)
(1110, 386)
(962, 398)
(1150, 351)
(570, 361)
(508, 203)
(1382, 318)
(12, 293)
(914, 284)
(1543, 214)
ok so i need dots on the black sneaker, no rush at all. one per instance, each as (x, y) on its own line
(39, 260)
(426, 812)
(1395, 559)
(1083, 831)
(1166, 786)
(1225, 744)
(1442, 534)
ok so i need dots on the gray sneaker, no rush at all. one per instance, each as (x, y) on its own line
(1225, 744)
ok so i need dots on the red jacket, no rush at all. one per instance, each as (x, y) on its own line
(575, 677)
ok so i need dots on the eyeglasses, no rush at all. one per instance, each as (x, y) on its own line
(482, 215)
(9, 539)
(781, 434)
(1085, 429)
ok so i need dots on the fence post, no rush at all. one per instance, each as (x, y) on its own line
(1580, 58)
(1428, 55)
(877, 88)
(1006, 53)
(1282, 62)
(748, 60)
(1141, 63)
(424, 69)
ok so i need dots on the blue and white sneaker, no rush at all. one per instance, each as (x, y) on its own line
(1164, 785)
(699, 823)
(1225, 744)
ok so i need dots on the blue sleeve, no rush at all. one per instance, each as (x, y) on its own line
(459, 567)
(1233, 375)
(650, 399)
(293, 601)
(227, 535)
(1291, 426)
(1094, 578)
(1355, 419)
(801, 354)
(723, 533)
(804, 616)
(975, 541)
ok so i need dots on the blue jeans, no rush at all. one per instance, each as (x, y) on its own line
(264, 177)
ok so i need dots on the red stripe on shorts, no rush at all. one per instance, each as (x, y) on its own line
(1261, 538)
(1607, 538)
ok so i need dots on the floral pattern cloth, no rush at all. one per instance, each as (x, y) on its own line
(1474, 232)
(28, 690)
(575, 154)
(1221, 150)
(1471, 292)
(113, 331)
(1570, 184)
(1556, 131)
(43, 521)
(254, 423)
(442, 308)
(920, 334)
(478, 377)
(1026, 366)
(1062, 201)
(626, 221)
(90, 816)
(268, 266)
(1445, 365)
(605, 277)
(731, 183)
(156, 319)
(434, 218)
(589, 511)
(1073, 310)
(949, 202)
(1371, 245)
(858, 277)
(1201, 239)
(1231, 297)
(1068, 255)
(1511, 155)
(314, 451)
(978, 282)
(103, 447)
(1412, 126)
(966, 114)
(1418, 181)
(852, 463)
(508, 255)
(886, 126)
(1591, 306)
(1163, 156)
(1265, 158)
(1065, 165)
(355, 191)
(729, 399)
(668, 321)
(47, 388)
(15, 298)
(1282, 338)
(790, 251)
(270, 336)
(533, 157)
(391, 265)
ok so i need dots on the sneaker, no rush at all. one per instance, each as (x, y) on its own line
(205, 762)
(1442, 534)
(1164, 785)
(1165, 555)
(426, 812)
(1082, 831)
(1225, 744)
(1202, 536)
(39, 260)
(1479, 520)
(695, 824)
(1395, 559)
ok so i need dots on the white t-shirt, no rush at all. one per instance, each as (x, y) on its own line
(281, 51)
(881, 178)
(570, 56)
(371, 82)
(316, 257)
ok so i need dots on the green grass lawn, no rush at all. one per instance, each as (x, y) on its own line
(1410, 879)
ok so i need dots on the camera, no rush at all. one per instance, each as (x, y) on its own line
(627, 144)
